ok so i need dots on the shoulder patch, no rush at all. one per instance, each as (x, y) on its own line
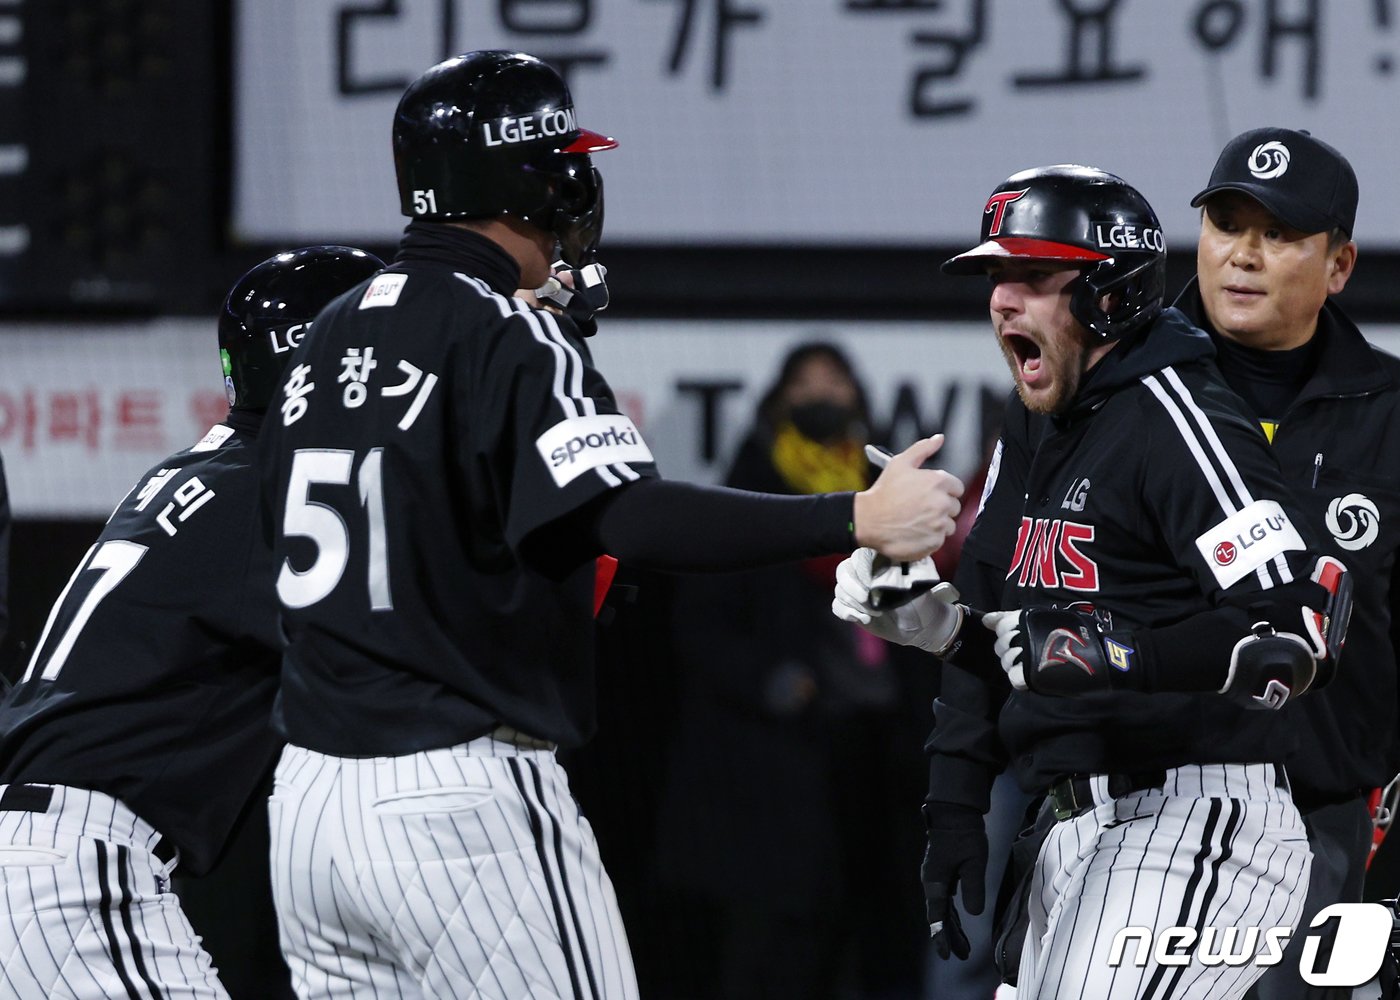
(1246, 540)
(215, 439)
(384, 290)
(572, 447)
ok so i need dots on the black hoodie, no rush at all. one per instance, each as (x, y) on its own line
(1123, 504)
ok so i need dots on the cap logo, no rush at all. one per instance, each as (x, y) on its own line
(527, 128)
(996, 207)
(1269, 159)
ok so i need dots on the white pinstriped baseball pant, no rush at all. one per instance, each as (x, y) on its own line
(1220, 845)
(88, 911)
(465, 872)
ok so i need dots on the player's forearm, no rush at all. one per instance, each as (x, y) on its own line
(681, 527)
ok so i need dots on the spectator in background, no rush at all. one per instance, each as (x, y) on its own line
(785, 810)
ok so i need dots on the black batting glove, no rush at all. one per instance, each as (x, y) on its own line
(956, 857)
(1062, 652)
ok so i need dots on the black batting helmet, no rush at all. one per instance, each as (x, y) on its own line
(1084, 216)
(491, 133)
(271, 307)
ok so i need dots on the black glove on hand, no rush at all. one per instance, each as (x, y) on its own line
(956, 856)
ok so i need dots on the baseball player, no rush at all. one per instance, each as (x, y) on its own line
(445, 465)
(1275, 245)
(1161, 599)
(139, 728)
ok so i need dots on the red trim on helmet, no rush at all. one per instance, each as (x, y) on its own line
(1024, 246)
(590, 142)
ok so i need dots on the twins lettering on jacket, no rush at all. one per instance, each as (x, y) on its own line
(1050, 551)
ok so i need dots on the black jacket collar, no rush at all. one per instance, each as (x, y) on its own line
(1170, 340)
(462, 250)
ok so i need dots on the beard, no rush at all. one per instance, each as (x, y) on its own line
(1058, 365)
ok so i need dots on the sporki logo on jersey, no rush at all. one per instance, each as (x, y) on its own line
(572, 447)
(540, 125)
(1358, 949)
(1269, 159)
(1246, 540)
(1354, 520)
(1048, 554)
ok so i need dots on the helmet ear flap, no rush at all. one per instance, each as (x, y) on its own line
(1135, 297)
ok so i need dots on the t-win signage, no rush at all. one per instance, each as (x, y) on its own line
(1246, 540)
(572, 447)
(1048, 554)
(1128, 236)
(1362, 934)
(527, 128)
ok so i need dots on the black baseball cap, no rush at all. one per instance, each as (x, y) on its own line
(1300, 179)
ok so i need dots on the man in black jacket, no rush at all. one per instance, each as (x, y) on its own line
(1275, 245)
(1162, 598)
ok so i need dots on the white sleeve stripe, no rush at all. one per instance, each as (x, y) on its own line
(553, 338)
(1208, 430)
(627, 471)
(506, 307)
(576, 384)
(1179, 418)
(1189, 435)
(607, 476)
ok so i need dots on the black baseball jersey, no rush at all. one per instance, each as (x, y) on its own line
(154, 677)
(1338, 443)
(1155, 499)
(430, 423)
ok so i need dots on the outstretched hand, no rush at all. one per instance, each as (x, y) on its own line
(909, 511)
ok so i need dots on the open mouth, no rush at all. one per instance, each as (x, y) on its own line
(1027, 355)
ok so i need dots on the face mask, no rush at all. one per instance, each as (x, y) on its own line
(822, 421)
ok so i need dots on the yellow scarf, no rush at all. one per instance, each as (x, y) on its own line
(811, 467)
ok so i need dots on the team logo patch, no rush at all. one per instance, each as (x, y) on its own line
(1354, 520)
(283, 338)
(996, 208)
(1120, 657)
(1269, 159)
(1246, 540)
(572, 447)
(384, 290)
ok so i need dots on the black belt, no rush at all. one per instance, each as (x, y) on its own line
(38, 798)
(1073, 795)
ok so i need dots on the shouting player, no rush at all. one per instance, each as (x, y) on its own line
(445, 466)
(139, 730)
(1162, 599)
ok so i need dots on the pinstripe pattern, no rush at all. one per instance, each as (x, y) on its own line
(464, 872)
(87, 908)
(1211, 456)
(1219, 846)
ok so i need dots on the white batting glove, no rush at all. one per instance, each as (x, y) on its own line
(928, 622)
(1007, 626)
